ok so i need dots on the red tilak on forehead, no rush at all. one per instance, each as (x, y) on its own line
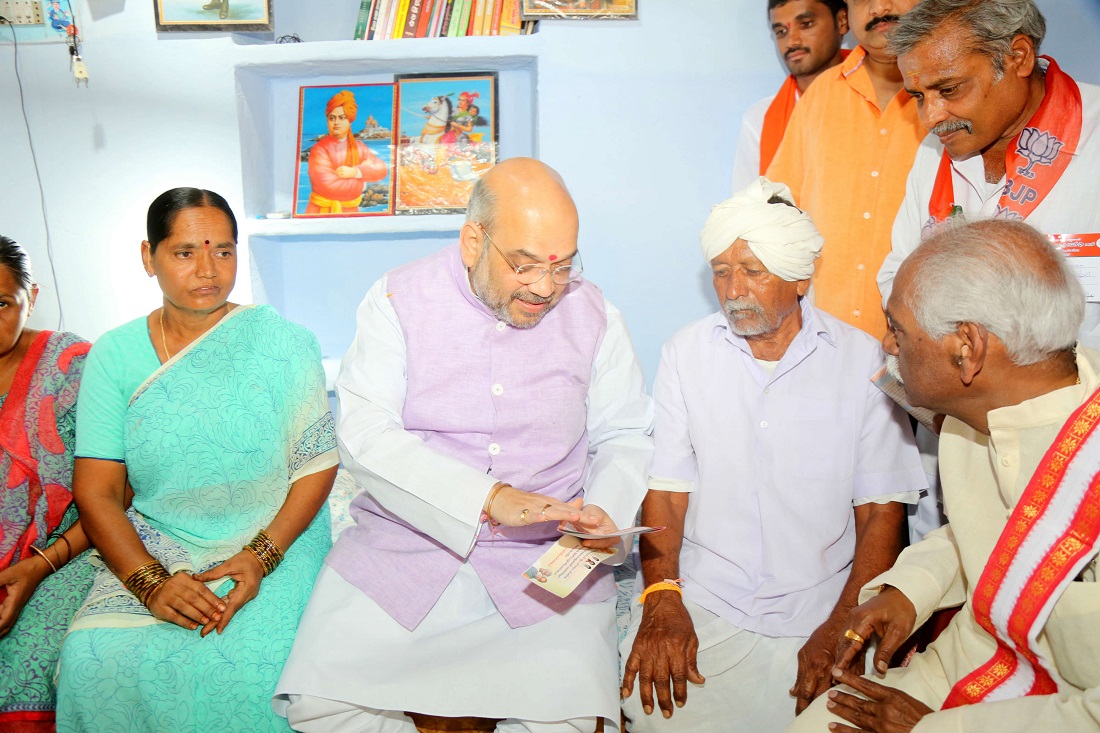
(206, 244)
(553, 257)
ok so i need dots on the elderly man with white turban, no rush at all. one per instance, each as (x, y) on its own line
(780, 474)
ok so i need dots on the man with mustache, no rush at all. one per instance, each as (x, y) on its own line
(490, 394)
(845, 155)
(984, 320)
(780, 473)
(808, 34)
(1013, 136)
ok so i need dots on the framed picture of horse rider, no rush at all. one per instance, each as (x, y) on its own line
(446, 139)
(345, 151)
(213, 15)
(579, 9)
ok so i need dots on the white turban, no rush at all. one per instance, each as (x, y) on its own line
(783, 238)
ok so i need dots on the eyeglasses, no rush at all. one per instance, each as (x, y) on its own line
(532, 273)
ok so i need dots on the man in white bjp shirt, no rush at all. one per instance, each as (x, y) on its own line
(780, 473)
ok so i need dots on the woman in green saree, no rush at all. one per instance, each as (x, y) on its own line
(205, 452)
(41, 585)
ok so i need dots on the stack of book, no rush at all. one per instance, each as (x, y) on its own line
(381, 19)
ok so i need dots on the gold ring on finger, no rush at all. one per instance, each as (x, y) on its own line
(523, 517)
(849, 634)
(543, 512)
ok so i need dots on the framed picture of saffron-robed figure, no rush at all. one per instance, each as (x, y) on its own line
(447, 138)
(213, 15)
(345, 151)
(579, 9)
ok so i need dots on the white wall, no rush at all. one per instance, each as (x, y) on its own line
(639, 117)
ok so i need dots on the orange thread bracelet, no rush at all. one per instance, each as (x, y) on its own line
(666, 584)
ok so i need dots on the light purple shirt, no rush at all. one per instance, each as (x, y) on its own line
(774, 463)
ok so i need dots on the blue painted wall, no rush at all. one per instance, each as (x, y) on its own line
(639, 116)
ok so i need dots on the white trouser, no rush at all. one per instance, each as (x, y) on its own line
(317, 715)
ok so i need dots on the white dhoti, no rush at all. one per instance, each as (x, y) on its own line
(351, 662)
(748, 679)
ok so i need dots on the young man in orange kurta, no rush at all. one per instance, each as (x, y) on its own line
(808, 34)
(846, 154)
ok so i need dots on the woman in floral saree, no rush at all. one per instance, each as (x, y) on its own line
(40, 588)
(205, 452)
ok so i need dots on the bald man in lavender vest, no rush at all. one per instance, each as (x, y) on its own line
(489, 396)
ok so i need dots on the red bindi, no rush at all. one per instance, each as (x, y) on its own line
(553, 257)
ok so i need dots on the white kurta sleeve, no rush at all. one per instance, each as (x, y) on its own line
(437, 495)
(620, 426)
(928, 573)
(1021, 715)
(746, 160)
(888, 463)
(673, 467)
(906, 234)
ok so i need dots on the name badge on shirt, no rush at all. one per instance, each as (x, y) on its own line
(1083, 251)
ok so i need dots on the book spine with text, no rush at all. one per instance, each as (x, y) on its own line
(385, 19)
(361, 20)
(412, 19)
(399, 19)
(445, 22)
(456, 19)
(372, 22)
(427, 13)
(510, 23)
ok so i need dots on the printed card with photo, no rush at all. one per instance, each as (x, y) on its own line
(565, 565)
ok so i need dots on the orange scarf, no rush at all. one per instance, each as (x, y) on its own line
(777, 117)
(775, 121)
(1038, 155)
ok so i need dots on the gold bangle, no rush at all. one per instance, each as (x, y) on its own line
(266, 551)
(43, 556)
(64, 539)
(146, 580)
(489, 506)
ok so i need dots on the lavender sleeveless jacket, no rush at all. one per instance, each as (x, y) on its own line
(508, 401)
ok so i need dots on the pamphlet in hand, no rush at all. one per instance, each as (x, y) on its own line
(562, 568)
(629, 531)
(893, 389)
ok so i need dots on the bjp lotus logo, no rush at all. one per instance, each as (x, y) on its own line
(1038, 147)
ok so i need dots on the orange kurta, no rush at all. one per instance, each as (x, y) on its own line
(846, 162)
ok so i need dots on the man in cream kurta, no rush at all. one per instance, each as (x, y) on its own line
(1002, 420)
(488, 394)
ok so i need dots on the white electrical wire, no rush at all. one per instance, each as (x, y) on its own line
(37, 175)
